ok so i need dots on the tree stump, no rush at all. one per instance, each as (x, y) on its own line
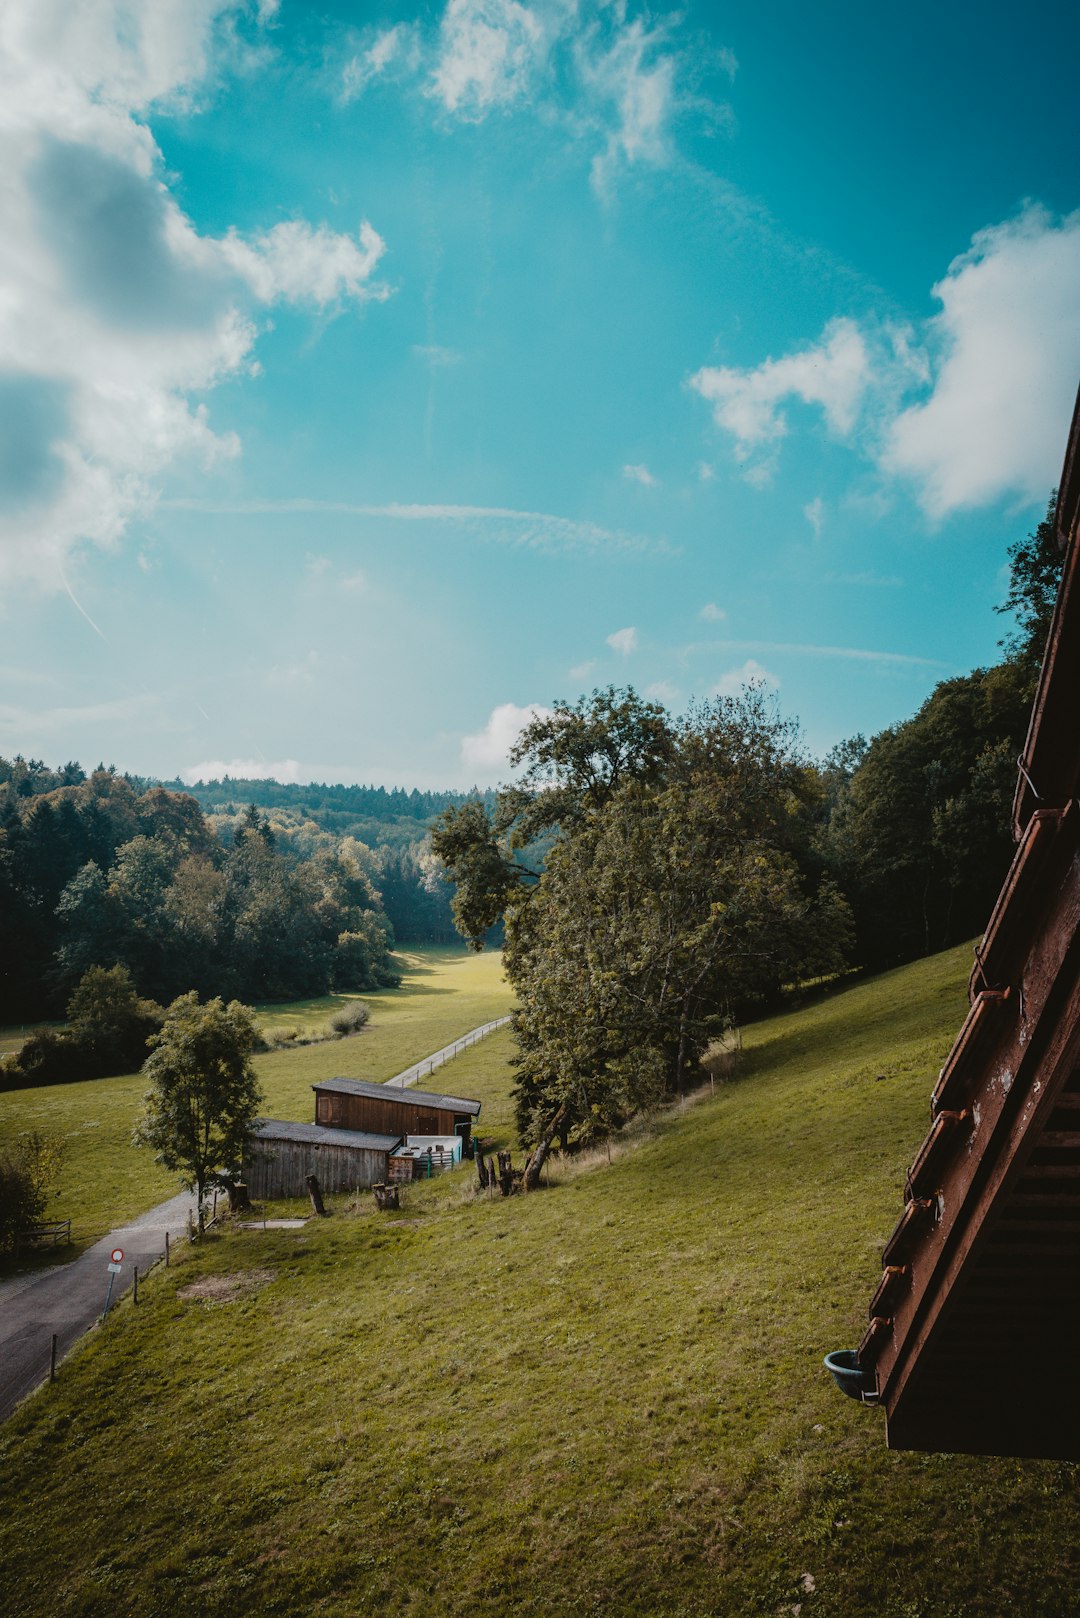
(239, 1201)
(481, 1172)
(315, 1193)
(386, 1197)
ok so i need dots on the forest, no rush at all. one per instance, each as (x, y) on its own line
(657, 877)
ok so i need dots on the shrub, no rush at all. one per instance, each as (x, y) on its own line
(351, 1018)
(27, 1178)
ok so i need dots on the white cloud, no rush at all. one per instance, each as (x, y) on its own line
(1008, 337)
(814, 512)
(751, 673)
(581, 671)
(712, 613)
(488, 51)
(616, 83)
(244, 769)
(532, 530)
(356, 582)
(705, 471)
(970, 410)
(663, 691)
(833, 374)
(115, 314)
(640, 474)
(488, 751)
(624, 641)
(377, 52)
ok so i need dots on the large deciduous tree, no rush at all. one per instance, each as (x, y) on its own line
(678, 887)
(203, 1098)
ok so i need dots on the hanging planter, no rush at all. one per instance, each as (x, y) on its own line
(843, 1365)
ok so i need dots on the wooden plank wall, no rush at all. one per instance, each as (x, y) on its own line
(279, 1168)
(372, 1116)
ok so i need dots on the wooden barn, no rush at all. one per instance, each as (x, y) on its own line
(278, 1158)
(972, 1338)
(384, 1109)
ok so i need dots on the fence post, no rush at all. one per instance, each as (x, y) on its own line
(135, 1292)
(166, 1250)
(52, 1360)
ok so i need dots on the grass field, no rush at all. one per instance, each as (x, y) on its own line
(604, 1398)
(106, 1180)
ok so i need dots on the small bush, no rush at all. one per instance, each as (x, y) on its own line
(27, 1179)
(351, 1018)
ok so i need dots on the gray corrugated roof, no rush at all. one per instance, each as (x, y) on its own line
(383, 1092)
(316, 1135)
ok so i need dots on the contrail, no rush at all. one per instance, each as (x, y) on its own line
(78, 604)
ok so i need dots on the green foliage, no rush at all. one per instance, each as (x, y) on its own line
(351, 1018)
(678, 890)
(29, 1174)
(203, 1097)
(108, 1029)
(608, 1399)
(919, 832)
(1035, 565)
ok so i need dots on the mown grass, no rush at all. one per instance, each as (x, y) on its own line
(605, 1398)
(107, 1181)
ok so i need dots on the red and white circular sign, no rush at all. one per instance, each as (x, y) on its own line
(117, 1255)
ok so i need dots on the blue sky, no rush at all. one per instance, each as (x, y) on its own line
(370, 375)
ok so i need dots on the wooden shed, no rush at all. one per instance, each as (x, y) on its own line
(971, 1344)
(279, 1156)
(384, 1109)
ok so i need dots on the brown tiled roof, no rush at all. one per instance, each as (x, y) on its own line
(975, 1324)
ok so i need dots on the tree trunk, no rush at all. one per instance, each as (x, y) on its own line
(543, 1147)
(481, 1171)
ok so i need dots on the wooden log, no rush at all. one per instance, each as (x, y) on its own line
(481, 1171)
(315, 1193)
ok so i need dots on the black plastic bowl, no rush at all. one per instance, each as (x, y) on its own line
(843, 1366)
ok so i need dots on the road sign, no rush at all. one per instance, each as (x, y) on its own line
(117, 1255)
(114, 1269)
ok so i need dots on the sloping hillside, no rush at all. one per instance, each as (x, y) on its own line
(606, 1398)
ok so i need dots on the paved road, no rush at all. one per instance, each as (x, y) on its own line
(68, 1298)
(420, 1070)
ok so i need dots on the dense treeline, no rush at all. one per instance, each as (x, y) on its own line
(917, 828)
(96, 873)
(697, 867)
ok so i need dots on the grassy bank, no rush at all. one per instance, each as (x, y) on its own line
(106, 1180)
(605, 1398)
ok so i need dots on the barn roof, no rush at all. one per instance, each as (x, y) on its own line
(316, 1135)
(384, 1092)
(971, 1341)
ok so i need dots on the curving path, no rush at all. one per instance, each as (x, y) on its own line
(68, 1298)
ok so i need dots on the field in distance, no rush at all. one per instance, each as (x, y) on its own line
(606, 1398)
(106, 1181)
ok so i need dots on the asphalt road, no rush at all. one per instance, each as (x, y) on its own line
(68, 1298)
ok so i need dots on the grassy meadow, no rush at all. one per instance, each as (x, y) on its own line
(106, 1181)
(606, 1398)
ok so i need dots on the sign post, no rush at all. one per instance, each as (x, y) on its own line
(116, 1263)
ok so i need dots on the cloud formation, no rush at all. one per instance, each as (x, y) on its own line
(616, 82)
(488, 750)
(1007, 355)
(968, 410)
(114, 311)
(832, 374)
(640, 474)
(750, 674)
(623, 641)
